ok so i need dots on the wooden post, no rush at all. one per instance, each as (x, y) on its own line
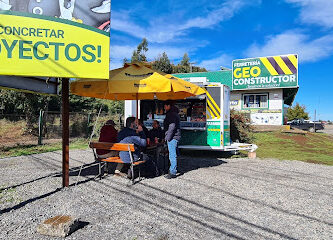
(65, 132)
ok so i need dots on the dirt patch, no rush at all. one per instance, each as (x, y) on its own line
(309, 141)
(26, 142)
(312, 161)
(13, 133)
(298, 138)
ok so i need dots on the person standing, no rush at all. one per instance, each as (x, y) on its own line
(172, 135)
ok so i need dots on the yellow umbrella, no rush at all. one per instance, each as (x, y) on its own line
(136, 81)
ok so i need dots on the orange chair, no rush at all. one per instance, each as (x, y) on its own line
(116, 147)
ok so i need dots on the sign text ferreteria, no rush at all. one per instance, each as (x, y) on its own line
(265, 72)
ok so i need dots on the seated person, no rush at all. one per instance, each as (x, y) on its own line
(132, 133)
(145, 130)
(156, 132)
(108, 134)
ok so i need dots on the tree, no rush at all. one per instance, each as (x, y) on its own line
(185, 66)
(140, 53)
(125, 60)
(198, 69)
(162, 63)
(240, 128)
(185, 61)
(296, 112)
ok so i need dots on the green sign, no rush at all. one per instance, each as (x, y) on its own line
(265, 72)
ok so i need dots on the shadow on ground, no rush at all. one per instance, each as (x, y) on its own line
(187, 162)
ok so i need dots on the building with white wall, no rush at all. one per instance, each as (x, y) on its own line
(262, 88)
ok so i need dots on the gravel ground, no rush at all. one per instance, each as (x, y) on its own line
(328, 129)
(215, 198)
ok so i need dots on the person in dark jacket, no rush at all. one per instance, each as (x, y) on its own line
(132, 133)
(145, 130)
(156, 132)
(172, 135)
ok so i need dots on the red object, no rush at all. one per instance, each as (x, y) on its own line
(108, 134)
(104, 25)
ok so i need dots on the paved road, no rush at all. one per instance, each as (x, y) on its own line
(214, 199)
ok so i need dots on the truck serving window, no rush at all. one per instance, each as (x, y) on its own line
(255, 100)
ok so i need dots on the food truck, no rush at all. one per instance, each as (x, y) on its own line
(205, 119)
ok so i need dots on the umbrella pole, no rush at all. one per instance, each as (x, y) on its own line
(137, 106)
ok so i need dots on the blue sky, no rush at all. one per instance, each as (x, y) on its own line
(214, 33)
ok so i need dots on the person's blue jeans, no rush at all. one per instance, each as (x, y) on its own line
(172, 146)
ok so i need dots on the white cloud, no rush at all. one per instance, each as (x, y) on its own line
(225, 12)
(121, 21)
(214, 64)
(319, 12)
(309, 50)
(164, 29)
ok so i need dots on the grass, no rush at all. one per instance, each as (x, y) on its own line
(7, 195)
(311, 147)
(34, 149)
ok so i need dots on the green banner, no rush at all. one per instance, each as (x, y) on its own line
(265, 72)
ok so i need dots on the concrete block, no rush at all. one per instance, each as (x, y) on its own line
(252, 155)
(58, 226)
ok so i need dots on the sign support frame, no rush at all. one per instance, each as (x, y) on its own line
(65, 132)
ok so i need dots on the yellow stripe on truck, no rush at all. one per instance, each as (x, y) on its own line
(212, 108)
(213, 130)
(213, 101)
(210, 113)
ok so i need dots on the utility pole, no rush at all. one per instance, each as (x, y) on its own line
(314, 122)
(191, 66)
(315, 115)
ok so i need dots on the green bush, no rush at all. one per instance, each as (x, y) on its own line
(240, 128)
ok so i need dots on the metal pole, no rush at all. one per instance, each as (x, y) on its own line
(40, 127)
(65, 132)
(314, 122)
(88, 123)
(191, 66)
(137, 106)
